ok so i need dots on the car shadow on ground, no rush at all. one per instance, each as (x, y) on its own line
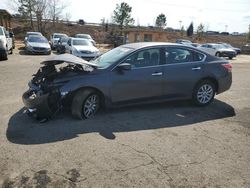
(25, 130)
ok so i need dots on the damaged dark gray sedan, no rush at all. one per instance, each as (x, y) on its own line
(130, 74)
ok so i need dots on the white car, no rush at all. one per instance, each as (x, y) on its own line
(82, 48)
(54, 38)
(5, 43)
(86, 36)
(218, 50)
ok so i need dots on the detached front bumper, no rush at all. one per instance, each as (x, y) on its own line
(40, 105)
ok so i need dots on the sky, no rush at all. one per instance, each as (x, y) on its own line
(216, 15)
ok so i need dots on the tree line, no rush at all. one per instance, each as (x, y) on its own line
(39, 10)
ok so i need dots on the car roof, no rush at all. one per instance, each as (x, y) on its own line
(59, 34)
(34, 32)
(83, 34)
(36, 36)
(152, 44)
(74, 38)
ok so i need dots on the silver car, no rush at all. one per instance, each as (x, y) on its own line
(37, 45)
(82, 48)
(86, 36)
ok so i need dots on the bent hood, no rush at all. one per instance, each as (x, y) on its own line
(67, 58)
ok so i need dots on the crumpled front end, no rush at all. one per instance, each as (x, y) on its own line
(41, 105)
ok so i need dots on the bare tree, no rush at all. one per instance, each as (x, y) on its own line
(56, 8)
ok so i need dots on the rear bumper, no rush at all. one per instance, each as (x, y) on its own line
(224, 83)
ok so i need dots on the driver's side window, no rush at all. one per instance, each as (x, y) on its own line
(144, 58)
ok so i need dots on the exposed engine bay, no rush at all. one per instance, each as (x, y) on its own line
(43, 99)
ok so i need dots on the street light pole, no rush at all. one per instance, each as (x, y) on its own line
(180, 24)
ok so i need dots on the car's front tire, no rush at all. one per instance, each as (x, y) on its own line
(85, 104)
(203, 93)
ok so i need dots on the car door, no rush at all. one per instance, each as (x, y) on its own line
(142, 82)
(183, 69)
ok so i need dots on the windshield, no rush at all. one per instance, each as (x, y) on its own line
(59, 36)
(64, 39)
(1, 31)
(112, 56)
(219, 46)
(227, 45)
(37, 39)
(37, 34)
(81, 43)
(83, 36)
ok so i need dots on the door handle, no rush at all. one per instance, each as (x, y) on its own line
(196, 68)
(157, 74)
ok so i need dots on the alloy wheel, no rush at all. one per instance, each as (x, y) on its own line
(91, 105)
(205, 94)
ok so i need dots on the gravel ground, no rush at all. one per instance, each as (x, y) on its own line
(162, 145)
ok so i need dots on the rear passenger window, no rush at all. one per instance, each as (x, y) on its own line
(180, 55)
(198, 56)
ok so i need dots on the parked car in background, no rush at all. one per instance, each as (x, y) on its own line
(82, 48)
(218, 50)
(54, 39)
(130, 74)
(184, 41)
(226, 45)
(37, 45)
(5, 43)
(11, 34)
(31, 33)
(86, 36)
(62, 42)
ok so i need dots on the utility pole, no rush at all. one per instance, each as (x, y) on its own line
(226, 28)
(180, 24)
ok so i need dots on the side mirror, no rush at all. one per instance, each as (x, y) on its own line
(124, 66)
(11, 34)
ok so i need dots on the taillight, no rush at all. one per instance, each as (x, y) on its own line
(228, 66)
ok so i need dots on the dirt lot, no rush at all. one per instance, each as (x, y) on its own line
(162, 145)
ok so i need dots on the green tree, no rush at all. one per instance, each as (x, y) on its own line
(200, 31)
(161, 20)
(122, 15)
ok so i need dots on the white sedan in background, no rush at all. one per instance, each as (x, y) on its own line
(218, 50)
(82, 48)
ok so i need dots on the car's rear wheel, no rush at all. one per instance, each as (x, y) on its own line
(85, 104)
(203, 93)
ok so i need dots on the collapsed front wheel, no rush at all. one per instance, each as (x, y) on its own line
(203, 93)
(85, 104)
